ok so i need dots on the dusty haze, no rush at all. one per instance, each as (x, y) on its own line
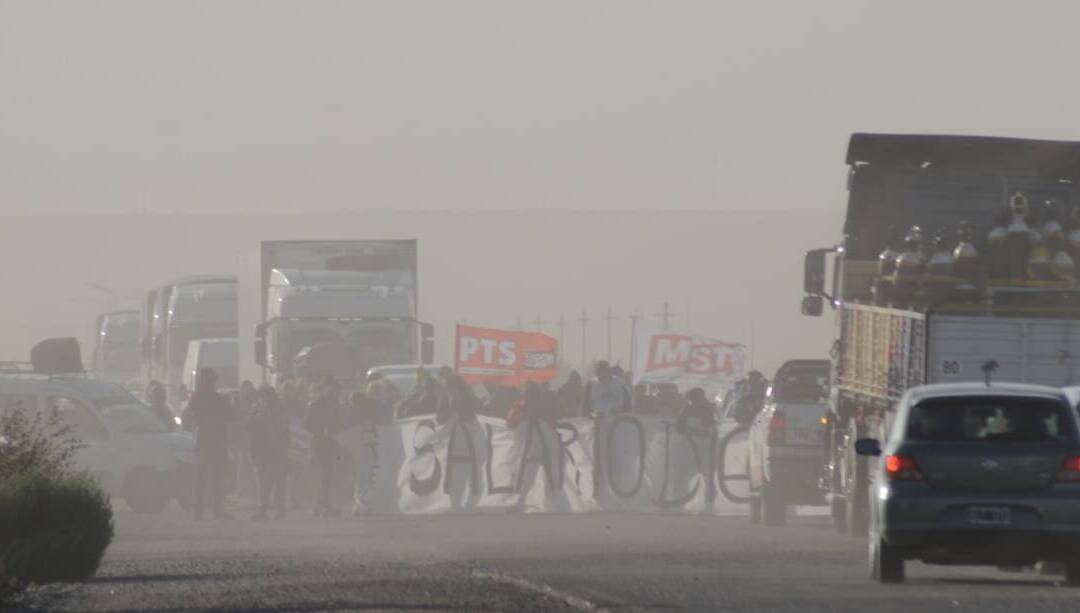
(141, 141)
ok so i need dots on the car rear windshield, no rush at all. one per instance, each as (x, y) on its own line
(802, 384)
(1006, 419)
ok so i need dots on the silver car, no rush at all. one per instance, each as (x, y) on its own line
(977, 474)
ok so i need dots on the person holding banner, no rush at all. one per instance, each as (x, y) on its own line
(323, 420)
(458, 401)
(606, 394)
(536, 403)
(698, 414)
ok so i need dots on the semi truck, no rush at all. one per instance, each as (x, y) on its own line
(338, 308)
(116, 347)
(175, 314)
(997, 303)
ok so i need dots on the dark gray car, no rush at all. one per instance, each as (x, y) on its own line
(976, 474)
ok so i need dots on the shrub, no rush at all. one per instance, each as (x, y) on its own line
(53, 526)
(39, 443)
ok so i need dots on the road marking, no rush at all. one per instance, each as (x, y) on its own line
(571, 600)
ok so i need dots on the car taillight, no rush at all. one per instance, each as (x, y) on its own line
(777, 428)
(1070, 470)
(902, 468)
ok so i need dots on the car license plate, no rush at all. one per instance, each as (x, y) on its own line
(989, 516)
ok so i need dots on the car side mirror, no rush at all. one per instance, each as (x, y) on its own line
(868, 446)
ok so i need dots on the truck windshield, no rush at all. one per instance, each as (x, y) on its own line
(1005, 419)
(375, 343)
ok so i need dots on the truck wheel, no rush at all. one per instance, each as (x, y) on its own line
(145, 491)
(886, 562)
(773, 507)
(755, 509)
(839, 515)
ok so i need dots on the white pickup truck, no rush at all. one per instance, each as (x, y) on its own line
(786, 441)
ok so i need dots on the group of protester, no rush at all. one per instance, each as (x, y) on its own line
(254, 423)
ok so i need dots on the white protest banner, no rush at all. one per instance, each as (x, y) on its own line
(662, 356)
(639, 464)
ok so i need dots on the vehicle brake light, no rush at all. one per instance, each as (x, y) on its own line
(1070, 470)
(777, 430)
(902, 468)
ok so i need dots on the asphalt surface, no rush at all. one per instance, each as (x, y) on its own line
(498, 561)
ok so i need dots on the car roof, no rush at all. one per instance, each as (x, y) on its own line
(84, 386)
(941, 390)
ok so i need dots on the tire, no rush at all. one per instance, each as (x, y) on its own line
(886, 562)
(755, 509)
(773, 506)
(1072, 571)
(145, 491)
(839, 515)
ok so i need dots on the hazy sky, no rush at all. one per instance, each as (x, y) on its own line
(292, 106)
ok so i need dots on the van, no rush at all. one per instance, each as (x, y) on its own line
(219, 354)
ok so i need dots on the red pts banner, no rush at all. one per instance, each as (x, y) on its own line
(506, 357)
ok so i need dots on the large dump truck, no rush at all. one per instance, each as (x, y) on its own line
(998, 303)
(338, 308)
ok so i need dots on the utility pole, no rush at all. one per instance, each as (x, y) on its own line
(665, 317)
(633, 334)
(584, 339)
(609, 318)
(562, 334)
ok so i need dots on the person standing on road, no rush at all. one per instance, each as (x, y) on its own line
(268, 428)
(458, 401)
(323, 421)
(208, 413)
(159, 408)
(572, 394)
(532, 404)
(605, 395)
(698, 415)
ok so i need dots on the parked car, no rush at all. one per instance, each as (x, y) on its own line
(786, 441)
(977, 474)
(135, 456)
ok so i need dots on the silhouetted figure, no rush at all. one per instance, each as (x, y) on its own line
(572, 394)
(268, 428)
(322, 422)
(458, 401)
(158, 407)
(605, 395)
(751, 397)
(699, 415)
(208, 413)
(536, 402)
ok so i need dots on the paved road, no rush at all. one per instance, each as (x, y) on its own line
(513, 562)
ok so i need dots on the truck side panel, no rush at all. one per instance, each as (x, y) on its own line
(1030, 350)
